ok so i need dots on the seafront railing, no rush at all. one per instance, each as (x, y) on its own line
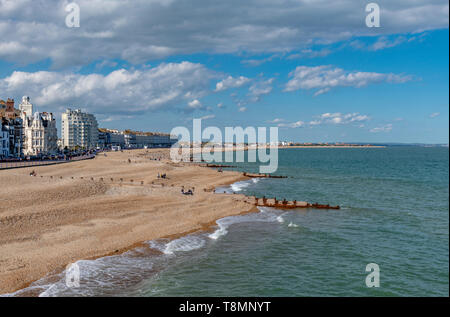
(23, 164)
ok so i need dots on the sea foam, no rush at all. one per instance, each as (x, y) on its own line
(184, 244)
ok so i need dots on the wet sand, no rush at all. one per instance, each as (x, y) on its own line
(98, 207)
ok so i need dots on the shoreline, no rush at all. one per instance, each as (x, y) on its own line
(32, 247)
(208, 228)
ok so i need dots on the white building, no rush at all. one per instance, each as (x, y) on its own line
(25, 107)
(4, 142)
(79, 129)
(40, 134)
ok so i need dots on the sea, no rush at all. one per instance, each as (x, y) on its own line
(393, 222)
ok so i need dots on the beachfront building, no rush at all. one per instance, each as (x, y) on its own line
(12, 124)
(139, 140)
(108, 138)
(40, 134)
(4, 143)
(25, 107)
(134, 140)
(79, 129)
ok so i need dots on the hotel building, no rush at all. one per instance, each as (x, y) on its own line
(135, 140)
(79, 129)
(40, 134)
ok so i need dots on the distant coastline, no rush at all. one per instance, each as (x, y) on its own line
(330, 146)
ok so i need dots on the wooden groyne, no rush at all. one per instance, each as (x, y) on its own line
(262, 175)
(289, 204)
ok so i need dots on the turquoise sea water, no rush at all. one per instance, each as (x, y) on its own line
(395, 213)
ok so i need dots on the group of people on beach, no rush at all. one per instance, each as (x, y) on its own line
(188, 192)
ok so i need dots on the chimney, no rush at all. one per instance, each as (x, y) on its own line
(9, 111)
(10, 105)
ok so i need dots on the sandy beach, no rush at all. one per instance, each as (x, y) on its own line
(93, 208)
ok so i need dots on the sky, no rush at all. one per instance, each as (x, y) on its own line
(312, 68)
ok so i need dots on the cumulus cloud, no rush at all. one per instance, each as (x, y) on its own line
(329, 118)
(260, 88)
(325, 77)
(339, 118)
(383, 128)
(33, 30)
(195, 104)
(171, 85)
(231, 82)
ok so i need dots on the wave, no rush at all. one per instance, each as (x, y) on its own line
(100, 276)
(266, 214)
(184, 244)
(107, 275)
(239, 186)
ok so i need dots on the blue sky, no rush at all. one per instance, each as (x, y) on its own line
(335, 82)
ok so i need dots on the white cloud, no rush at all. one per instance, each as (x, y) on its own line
(276, 120)
(323, 78)
(231, 82)
(434, 114)
(384, 42)
(383, 128)
(328, 118)
(339, 118)
(209, 116)
(297, 124)
(105, 63)
(260, 88)
(195, 104)
(122, 91)
(143, 30)
(258, 62)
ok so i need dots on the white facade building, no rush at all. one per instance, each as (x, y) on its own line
(40, 134)
(79, 129)
(4, 142)
(25, 107)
